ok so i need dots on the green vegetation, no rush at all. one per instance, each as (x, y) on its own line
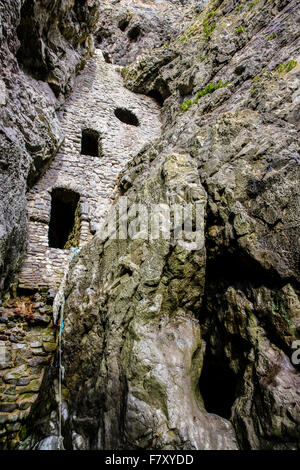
(272, 36)
(258, 77)
(210, 88)
(186, 105)
(239, 30)
(286, 67)
(251, 5)
(209, 27)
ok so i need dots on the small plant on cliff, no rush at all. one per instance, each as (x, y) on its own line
(186, 105)
(209, 26)
(259, 76)
(271, 37)
(210, 88)
(195, 30)
(251, 5)
(239, 30)
(287, 67)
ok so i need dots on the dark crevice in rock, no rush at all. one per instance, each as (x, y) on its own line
(28, 35)
(134, 33)
(123, 24)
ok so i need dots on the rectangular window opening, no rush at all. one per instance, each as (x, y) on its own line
(91, 143)
(64, 227)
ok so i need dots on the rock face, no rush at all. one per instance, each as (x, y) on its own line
(42, 46)
(130, 29)
(190, 341)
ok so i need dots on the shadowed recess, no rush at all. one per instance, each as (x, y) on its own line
(157, 96)
(123, 24)
(134, 33)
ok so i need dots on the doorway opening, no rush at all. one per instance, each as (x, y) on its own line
(64, 227)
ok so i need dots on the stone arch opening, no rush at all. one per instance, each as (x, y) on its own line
(91, 143)
(126, 116)
(64, 226)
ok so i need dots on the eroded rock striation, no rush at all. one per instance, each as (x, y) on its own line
(189, 342)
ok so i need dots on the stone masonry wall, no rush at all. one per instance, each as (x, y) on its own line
(27, 344)
(98, 92)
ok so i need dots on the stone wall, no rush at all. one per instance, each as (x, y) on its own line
(98, 92)
(27, 343)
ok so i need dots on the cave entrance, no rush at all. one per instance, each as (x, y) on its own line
(64, 227)
(218, 386)
(126, 116)
(91, 143)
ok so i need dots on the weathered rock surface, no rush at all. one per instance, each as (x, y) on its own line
(129, 29)
(244, 138)
(42, 46)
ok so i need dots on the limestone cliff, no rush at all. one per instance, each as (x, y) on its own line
(189, 342)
